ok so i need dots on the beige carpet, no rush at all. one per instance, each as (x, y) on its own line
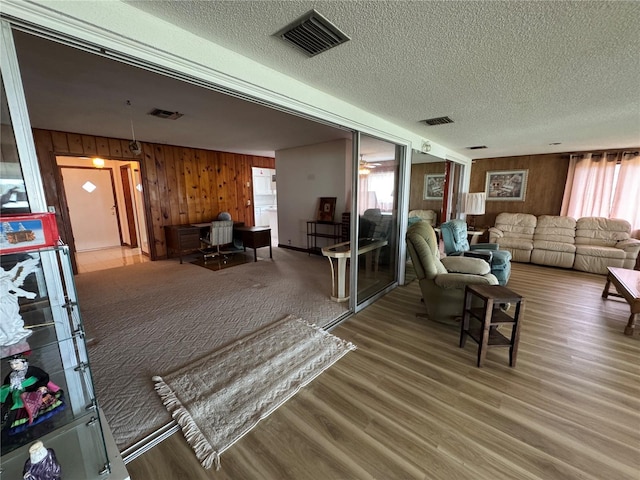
(152, 318)
(219, 398)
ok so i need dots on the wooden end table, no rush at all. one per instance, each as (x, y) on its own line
(488, 317)
(255, 237)
(627, 283)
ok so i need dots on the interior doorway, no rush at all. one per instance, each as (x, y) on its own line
(92, 206)
(106, 211)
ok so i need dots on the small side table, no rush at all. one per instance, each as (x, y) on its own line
(255, 237)
(488, 317)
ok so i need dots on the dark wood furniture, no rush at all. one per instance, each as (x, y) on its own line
(255, 237)
(328, 230)
(182, 239)
(627, 283)
(480, 323)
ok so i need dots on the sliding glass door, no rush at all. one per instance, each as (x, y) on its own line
(378, 233)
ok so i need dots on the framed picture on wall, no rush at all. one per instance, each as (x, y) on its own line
(433, 186)
(327, 209)
(508, 185)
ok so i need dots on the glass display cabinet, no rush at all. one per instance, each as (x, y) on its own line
(47, 390)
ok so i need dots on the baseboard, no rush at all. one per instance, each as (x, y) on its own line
(290, 247)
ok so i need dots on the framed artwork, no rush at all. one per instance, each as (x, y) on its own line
(507, 185)
(433, 186)
(327, 209)
(28, 232)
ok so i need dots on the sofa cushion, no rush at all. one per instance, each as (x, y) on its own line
(601, 231)
(555, 229)
(555, 246)
(516, 225)
(600, 251)
(516, 243)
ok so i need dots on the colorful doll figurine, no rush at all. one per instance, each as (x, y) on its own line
(41, 464)
(27, 396)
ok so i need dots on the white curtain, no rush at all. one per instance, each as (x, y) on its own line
(604, 185)
(626, 199)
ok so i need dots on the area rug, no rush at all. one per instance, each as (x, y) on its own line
(215, 264)
(217, 399)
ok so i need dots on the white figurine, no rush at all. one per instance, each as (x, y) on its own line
(12, 326)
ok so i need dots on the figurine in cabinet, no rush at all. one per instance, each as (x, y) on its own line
(28, 396)
(12, 329)
(41, 464)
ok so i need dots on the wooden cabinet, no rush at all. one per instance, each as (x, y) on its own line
(182, 239)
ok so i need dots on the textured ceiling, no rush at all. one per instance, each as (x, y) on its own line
(515, 76)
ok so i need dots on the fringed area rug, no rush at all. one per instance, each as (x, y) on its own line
(222, 396)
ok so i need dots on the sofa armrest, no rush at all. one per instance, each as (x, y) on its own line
(484, 246)
(461, 280)
(474, 266)
(630, 245)
(495, 234)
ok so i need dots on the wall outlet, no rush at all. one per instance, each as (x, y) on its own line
(289, 242)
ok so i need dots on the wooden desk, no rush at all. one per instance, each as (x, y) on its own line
(342, 252)
(627, 283)
(182, 239)
(255, 237)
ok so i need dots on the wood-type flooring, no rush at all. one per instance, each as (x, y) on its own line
(410, 404)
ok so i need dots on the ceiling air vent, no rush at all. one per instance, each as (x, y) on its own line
(313, 34)
(157, 112)
(437, 121)
(477, 147)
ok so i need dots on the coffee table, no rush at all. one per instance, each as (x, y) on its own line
(627, 283)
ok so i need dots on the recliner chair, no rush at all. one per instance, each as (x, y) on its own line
(454, 237)
(443, 281)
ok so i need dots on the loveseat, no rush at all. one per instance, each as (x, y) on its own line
(589, 244)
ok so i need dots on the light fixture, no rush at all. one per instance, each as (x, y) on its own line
(98, 162)
(363, 167)
(473, 204)
(134, 146)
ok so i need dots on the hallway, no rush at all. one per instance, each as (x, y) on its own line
(103, 259)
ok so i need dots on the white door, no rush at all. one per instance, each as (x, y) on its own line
(92, 208)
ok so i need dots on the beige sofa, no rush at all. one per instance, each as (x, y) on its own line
(590, 244)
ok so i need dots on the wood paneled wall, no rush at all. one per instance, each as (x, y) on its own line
(416, 200)
(181, 184)
(545, 184)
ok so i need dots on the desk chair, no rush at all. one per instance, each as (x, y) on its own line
(220, 234)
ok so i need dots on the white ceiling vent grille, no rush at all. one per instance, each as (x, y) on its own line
(166, 114)
(437, 121)
(313, 34)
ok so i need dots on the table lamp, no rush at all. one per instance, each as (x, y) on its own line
(473, 204)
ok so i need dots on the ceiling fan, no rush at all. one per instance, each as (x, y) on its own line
(364, 167)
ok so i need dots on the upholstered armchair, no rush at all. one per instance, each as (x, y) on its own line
(430, 216)
(442, 281)
(454, 238)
